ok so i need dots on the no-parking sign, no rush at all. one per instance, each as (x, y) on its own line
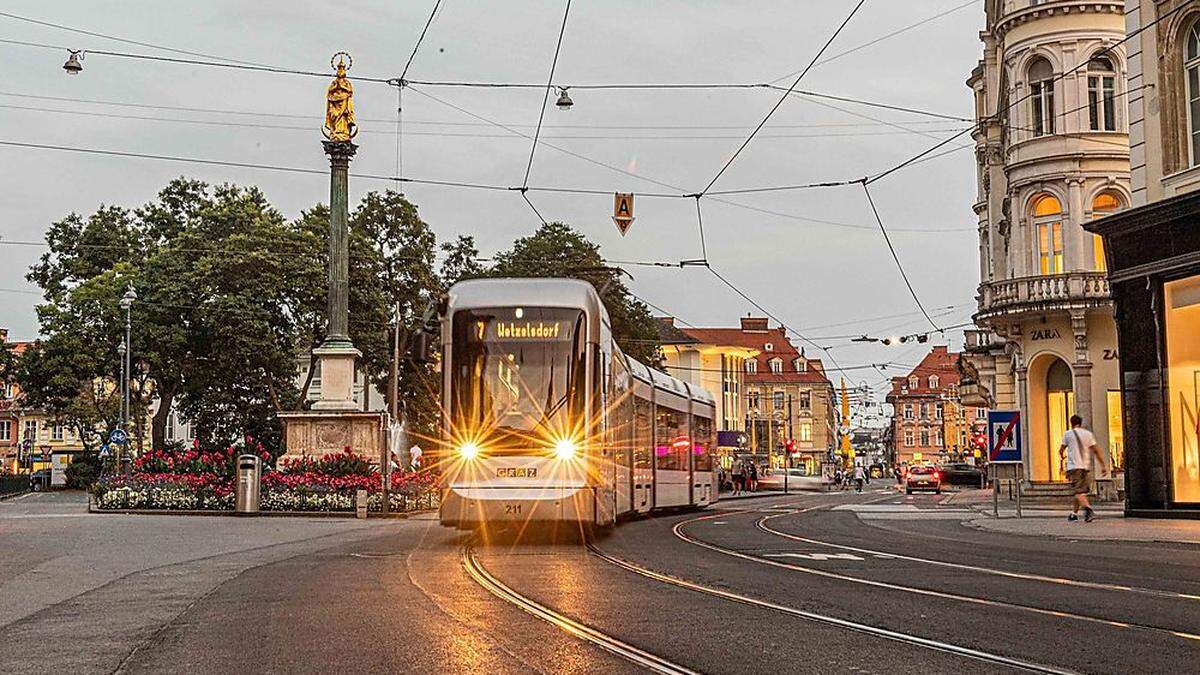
(1004, 436)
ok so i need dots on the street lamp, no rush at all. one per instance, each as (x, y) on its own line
(564, 101)
(73, 65)
(126, 304)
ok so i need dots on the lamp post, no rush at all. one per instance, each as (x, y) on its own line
(126, 304)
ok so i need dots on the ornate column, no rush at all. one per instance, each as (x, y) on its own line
(1077, 253)
(337, 353)
(335, 421)
(1081, 370)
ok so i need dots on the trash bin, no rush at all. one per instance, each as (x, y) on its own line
(249, 474)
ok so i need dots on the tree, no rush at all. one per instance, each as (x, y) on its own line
(462, 261)
(556, 250)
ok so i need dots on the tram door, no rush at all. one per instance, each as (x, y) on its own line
(643, 478)
(620, 413)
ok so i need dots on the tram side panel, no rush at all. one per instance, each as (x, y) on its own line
(672, 445)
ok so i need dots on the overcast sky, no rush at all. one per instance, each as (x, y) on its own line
(809, 273)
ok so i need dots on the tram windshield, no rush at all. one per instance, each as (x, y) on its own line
(517, 374)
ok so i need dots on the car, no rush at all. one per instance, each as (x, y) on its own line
(39, 480)
(962, 474)
(922, 477)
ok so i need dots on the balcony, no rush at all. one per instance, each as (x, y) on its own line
(1042, 294)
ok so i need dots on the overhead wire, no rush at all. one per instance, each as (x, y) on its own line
(771, 112)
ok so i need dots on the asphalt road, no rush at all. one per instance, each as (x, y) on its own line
(872, 583)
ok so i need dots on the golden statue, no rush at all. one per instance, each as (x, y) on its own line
(339, 102)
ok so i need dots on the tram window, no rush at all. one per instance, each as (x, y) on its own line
(622, 429)
(672, 442)
(641, 433)
(702, 444)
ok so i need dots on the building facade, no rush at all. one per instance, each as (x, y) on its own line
(1153, 254)
(930, 422)
(30, 438)
(772, 396)
(1052, 148)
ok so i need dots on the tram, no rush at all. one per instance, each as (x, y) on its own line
(547, 420)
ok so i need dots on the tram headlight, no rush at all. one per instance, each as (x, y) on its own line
(468, 450)
(564, 448)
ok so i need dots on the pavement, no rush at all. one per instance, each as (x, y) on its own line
(878, 582)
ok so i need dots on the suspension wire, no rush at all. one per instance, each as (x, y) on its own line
(883, 37)
(530, 203)
(895, 257)
(399, 133)
(700, 224)
(1059, 76)
(779, 103)
(545, 98)
(116, 38)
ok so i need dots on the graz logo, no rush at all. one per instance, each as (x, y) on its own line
(517, 472)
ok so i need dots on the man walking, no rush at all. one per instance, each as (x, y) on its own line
(1080, 445)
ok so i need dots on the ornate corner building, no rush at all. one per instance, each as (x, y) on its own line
(1052, 147)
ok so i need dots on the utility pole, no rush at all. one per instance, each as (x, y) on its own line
(787, 448)
(394, 387)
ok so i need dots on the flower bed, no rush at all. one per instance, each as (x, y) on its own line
(191, 480)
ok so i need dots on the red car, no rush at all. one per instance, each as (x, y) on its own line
(923, 478)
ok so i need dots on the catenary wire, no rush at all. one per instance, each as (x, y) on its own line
(783, 98)
(545, 98)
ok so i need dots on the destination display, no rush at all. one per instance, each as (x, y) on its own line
(524, 330)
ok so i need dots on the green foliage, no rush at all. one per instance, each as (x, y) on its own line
(556, 250)
(83, 471)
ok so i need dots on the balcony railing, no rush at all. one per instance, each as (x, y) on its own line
(1032, 294)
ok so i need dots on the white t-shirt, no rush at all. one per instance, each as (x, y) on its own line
(858, 473)
(1077, 457)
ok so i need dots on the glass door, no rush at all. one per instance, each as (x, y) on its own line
(1182, 302)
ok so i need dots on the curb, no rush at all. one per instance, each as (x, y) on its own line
(268, 514)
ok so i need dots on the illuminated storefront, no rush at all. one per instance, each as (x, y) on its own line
(1154, 258)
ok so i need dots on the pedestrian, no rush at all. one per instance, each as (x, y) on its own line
(739, 475)
(1080, 446)
(839, 479)
(899, 474)
(859, 477)
(752, 476)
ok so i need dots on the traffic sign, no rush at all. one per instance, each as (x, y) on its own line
(118, 437)
(104, 451)
(1004, 437)
(623, 211)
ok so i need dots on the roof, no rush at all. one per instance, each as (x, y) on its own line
(755, 335)
(941, 362)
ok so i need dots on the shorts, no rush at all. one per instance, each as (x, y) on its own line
(1081, 481)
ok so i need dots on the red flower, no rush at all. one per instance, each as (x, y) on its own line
(196, 443)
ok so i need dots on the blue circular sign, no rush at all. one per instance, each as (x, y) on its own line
(119, 437)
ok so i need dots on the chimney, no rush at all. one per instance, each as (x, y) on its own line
(750, 323)
(3, 335)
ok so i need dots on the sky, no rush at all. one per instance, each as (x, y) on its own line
(815, 258)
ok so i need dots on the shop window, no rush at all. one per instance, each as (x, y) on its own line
(1060, 405)
(1116, 430)
(1041, 97)
(1047, 221)
(1182, 308)
(1102, 108)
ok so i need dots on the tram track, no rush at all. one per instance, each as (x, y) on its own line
(1010, 574)
(677, 530)
(651, 662)
(846, 624)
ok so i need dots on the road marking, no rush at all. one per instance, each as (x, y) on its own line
(762, 525)
(815, 556)
(847, 624)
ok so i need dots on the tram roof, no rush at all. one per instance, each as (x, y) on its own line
(529, 292)
(667, 383)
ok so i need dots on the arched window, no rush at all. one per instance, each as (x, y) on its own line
(1041, 96)
(1191, 68)
(1102, 109)
(1104, 204)
(776, 365)
(1047, 223)
(933, 381)
(913, 382)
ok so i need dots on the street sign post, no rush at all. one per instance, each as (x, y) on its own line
(1005, 454)
(118, 437)
(623, 211)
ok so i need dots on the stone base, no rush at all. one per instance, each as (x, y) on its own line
(313, 433)
(337, 377)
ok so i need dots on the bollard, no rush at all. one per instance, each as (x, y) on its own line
(249, 475)
(360, 503)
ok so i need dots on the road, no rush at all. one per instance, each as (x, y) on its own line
(875, 583)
